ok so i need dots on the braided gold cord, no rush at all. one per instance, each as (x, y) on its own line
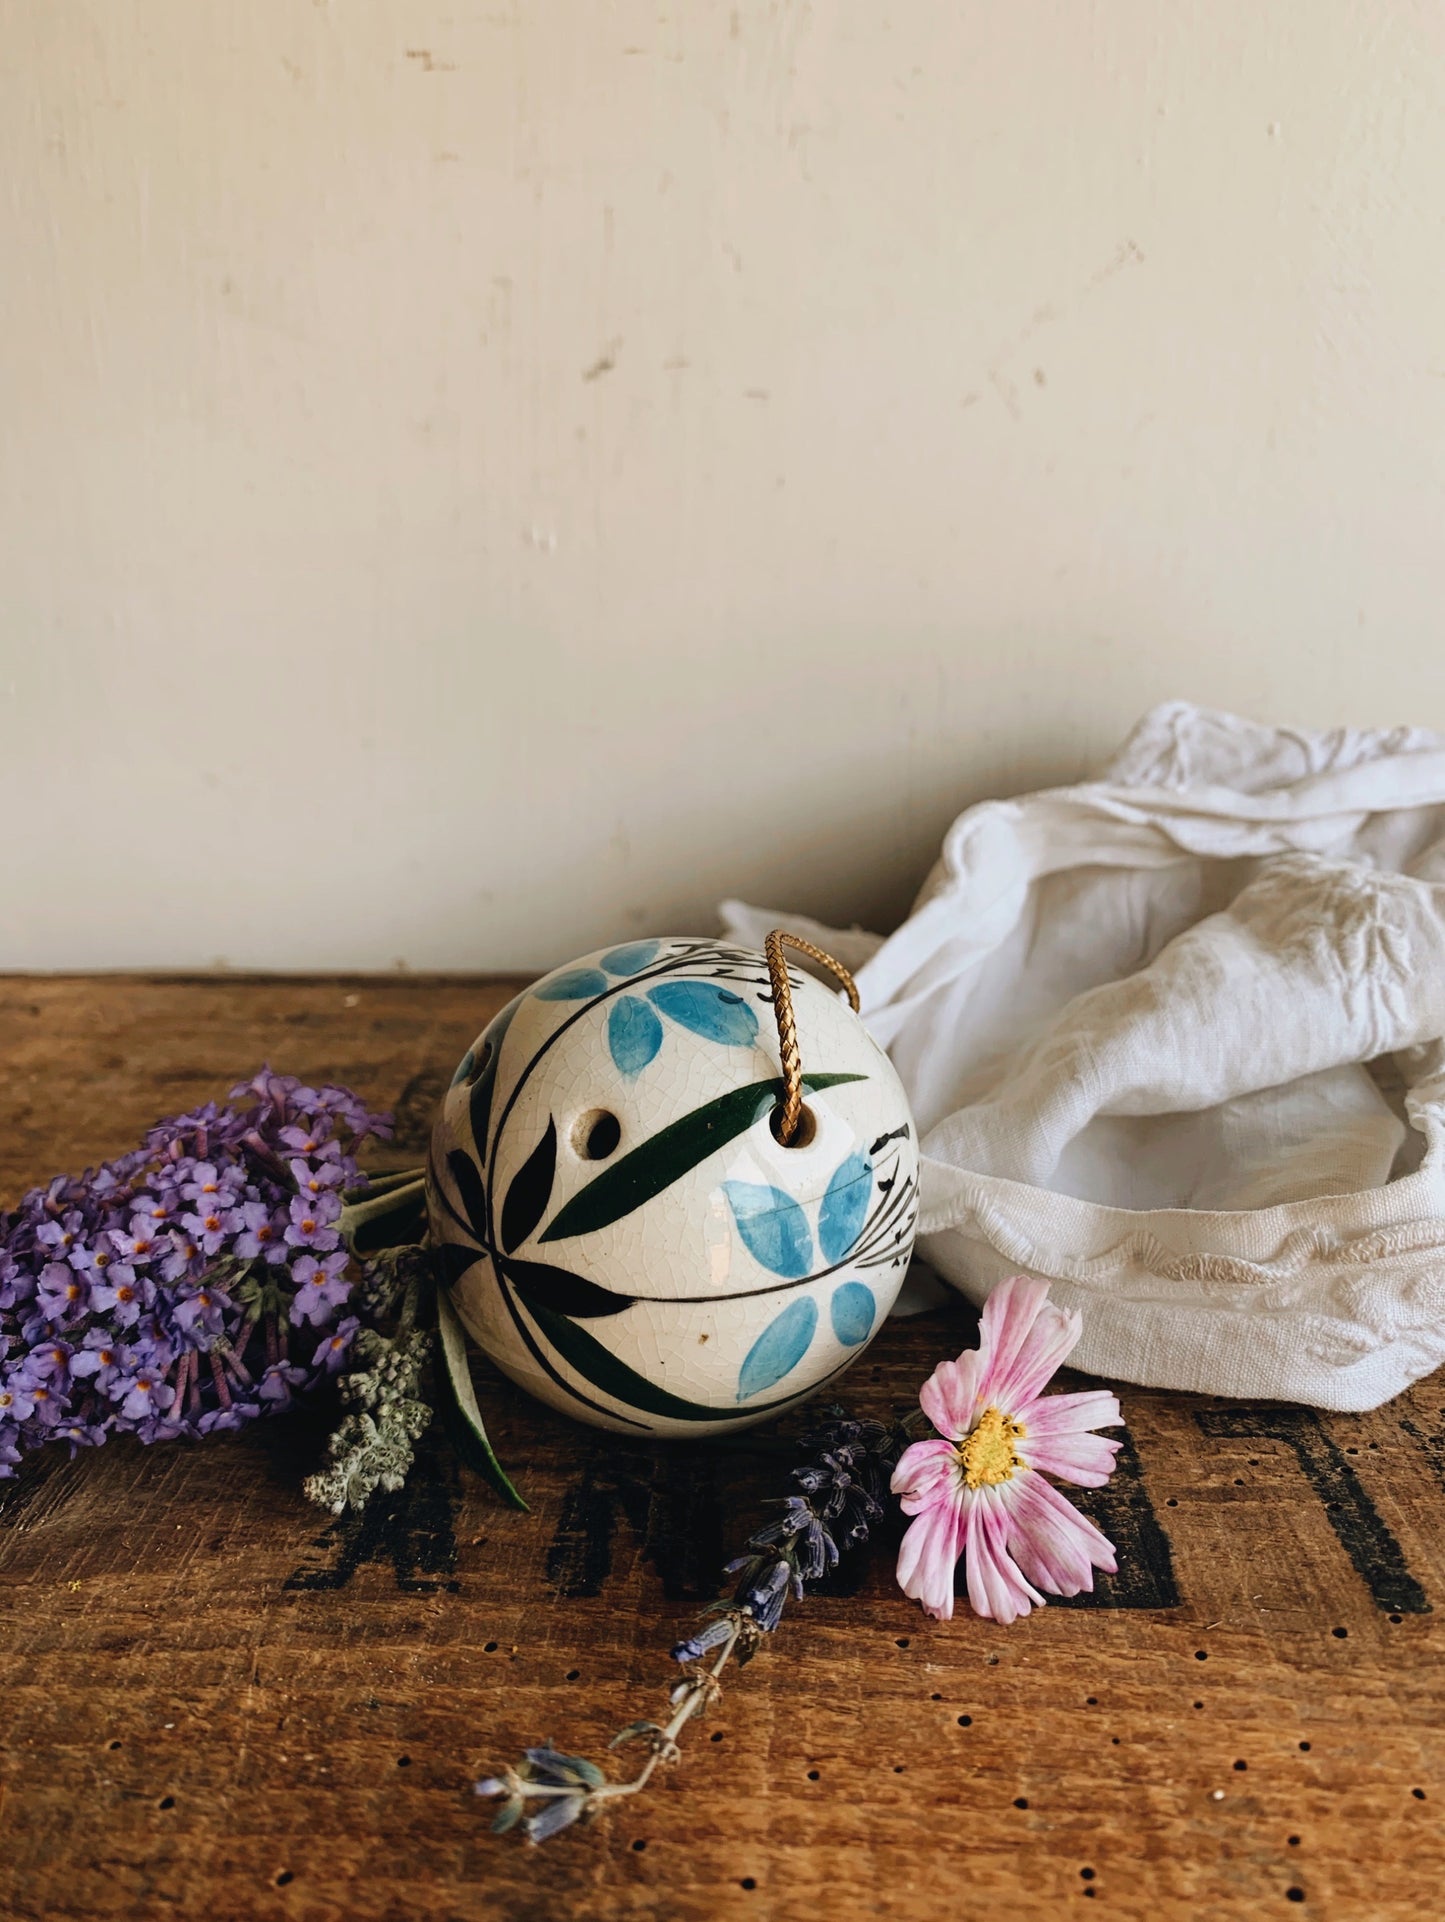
(792, 1059)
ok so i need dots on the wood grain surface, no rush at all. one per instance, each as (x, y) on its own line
(217, 1705)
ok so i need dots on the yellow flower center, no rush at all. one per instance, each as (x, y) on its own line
(986, 1453)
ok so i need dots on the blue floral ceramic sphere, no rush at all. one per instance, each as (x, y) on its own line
(620, 1227)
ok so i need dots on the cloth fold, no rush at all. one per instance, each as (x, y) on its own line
(1175, 1041)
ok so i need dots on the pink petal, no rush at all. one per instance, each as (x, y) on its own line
(1071, 1414)
(1024, 1338)
(920, 1470)
(927, 1556)
(1085, 1460)
(1051, 1541)
(996, 1588)
(949, 1397)
(1057, 1436)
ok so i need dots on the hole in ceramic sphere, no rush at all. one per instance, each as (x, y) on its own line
(481, 1061)
(595, 1134)
(804, 1132)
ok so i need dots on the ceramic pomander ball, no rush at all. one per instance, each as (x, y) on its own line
(620, 1226)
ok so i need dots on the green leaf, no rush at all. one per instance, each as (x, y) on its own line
(670, 1154)
(389, 1219)
(613, 1376)
(459, 1397)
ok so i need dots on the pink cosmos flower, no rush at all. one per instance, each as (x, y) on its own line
(979, 1491)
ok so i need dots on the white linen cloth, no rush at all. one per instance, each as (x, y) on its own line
(1175, 1041)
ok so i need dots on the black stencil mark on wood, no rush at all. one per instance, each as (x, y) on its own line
(413, 1529)
(671, 1503)
(1377, 1557)
(1431, 1446)
(1123, 1510)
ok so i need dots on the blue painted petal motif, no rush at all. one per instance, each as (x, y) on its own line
(852, 1308)
(704, 1008)
(632, 959)
(774, 1228)
(840, 1219)
(779, 1348)
(634, 1033)
(578, 984)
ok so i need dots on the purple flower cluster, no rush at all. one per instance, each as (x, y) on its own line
(191, 1285)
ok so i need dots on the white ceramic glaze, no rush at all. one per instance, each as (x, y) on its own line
(619, 1226)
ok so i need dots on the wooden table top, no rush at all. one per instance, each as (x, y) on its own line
(218, 1705)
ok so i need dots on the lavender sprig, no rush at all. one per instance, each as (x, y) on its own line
(843, 1496)
(199, 1282)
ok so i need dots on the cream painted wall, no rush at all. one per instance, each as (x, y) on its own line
(481, 479)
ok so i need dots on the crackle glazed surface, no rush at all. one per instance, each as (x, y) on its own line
(621, 1230)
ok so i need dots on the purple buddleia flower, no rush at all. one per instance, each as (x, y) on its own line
(140, 1244)
(262, 1233)
(16, 1404)
(98, 1361)
(122, 1296)
(59, 1237)
(60, 1294)
(316, 1141)
(48, 1361)
(333, 1350)
(153, 1295)
(280, 1378)
(312, 1179)
(209, 1226)
(144, 1393)
(208, 1187)
(201, 1310)
(321, 1287)
(310, 1222)
(80, 1434)
(234, 1415)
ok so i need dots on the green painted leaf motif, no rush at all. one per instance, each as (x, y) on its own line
(452, 1261)
(467, 1178)
(612, 1375)
(489, 1050)
(671, 1153)
(464, 1417)
(530, 1190)
(779, 1348)
(541, 1285)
